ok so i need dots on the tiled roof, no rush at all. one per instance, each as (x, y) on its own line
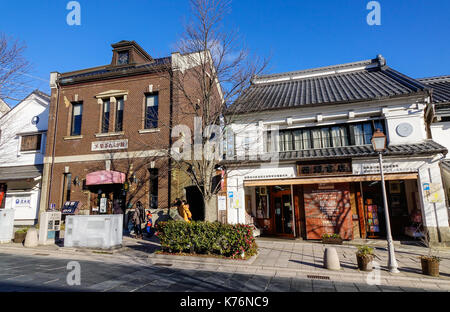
(426, 148)
(440, 86)
(114, 71)
(346, 83)
(446, 164)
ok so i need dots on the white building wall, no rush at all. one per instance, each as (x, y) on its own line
(17, 122)
(22, 195)
(440, 132)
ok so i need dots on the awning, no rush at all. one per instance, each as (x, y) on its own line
(341, 179)
(105, 177)
(20, 173)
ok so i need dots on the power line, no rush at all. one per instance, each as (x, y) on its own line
(28, 75)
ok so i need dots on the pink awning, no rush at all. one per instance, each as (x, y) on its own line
(105, 177)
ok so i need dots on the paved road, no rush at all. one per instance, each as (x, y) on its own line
(42, 273)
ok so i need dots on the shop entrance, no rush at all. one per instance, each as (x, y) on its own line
(282, 210)
(106, 199)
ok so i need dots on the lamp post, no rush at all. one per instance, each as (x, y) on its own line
(379, 145)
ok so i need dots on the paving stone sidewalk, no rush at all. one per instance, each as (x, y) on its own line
(289, 260)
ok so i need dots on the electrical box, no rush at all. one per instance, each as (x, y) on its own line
(6, 225)
(49, 227)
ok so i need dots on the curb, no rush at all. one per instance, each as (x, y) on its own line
(196, 259)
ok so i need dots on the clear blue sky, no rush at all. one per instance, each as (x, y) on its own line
(298, 34)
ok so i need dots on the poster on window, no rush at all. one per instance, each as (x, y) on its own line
(2, 194)
(328, 210)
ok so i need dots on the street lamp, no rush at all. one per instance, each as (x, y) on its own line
(379, 145)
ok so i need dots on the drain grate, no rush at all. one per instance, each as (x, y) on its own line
(163, 264)
(41, 254)
(321, 277)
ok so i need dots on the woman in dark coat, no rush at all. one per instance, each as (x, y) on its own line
(138, 219)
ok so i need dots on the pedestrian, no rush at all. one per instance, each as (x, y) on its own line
(185, 212)
(138, 220)
(149, 225)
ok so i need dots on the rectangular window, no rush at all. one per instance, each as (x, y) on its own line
(153, 194)
(325, 137)
(67, 179)
(106, 116)
(31, 143)
(119, 115)
(77, 114)
(151, 111)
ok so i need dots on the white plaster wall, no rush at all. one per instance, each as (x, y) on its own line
(413, 116)
(440, 133)
(435, 213)
(18, 121)
(410, 110)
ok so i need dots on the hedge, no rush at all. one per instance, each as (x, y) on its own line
(201, 237)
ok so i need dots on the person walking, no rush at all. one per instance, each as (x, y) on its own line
(185, 211)
(138, 219)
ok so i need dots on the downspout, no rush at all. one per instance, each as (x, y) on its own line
(169, 180)
(54, 142)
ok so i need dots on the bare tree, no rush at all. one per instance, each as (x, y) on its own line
(13, 69)
(212, 71)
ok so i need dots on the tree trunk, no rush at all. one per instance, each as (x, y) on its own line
(211, 209)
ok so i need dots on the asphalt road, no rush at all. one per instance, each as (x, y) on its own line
(40, 273)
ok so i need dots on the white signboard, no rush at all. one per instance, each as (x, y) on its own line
(109, 145)
(222, 203)
(22, 201)
(373, 167)
(103, 205)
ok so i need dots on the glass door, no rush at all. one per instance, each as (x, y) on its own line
(283, 212)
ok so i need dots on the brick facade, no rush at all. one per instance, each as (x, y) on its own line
(72, 156)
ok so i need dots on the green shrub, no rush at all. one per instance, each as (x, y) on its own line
(22, 230)
(325, 236)
(201, 237)
(364, 251)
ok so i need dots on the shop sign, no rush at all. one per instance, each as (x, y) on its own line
(71, 207)
(109, 145)
(432, 192)
(103, 202)
(329, 168)
(22, 202)
(388, 167)
(222, 203)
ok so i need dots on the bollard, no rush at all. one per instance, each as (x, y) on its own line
(331, 259)
(31, 239)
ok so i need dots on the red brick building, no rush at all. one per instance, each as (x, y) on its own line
(109, 134)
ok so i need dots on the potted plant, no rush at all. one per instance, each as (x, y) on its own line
(429, 262)
(331, 239)
(19, 235)
(364, 257)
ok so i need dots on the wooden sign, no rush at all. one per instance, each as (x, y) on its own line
(328, 168)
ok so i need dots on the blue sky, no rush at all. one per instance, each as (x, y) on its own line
(297, 34)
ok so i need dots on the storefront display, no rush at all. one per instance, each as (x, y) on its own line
(328, 210)
(372, 221)
(2, 194)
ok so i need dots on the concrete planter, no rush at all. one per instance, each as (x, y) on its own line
(332, 240)
(364, 262)
(19, 237)
(430, 266)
